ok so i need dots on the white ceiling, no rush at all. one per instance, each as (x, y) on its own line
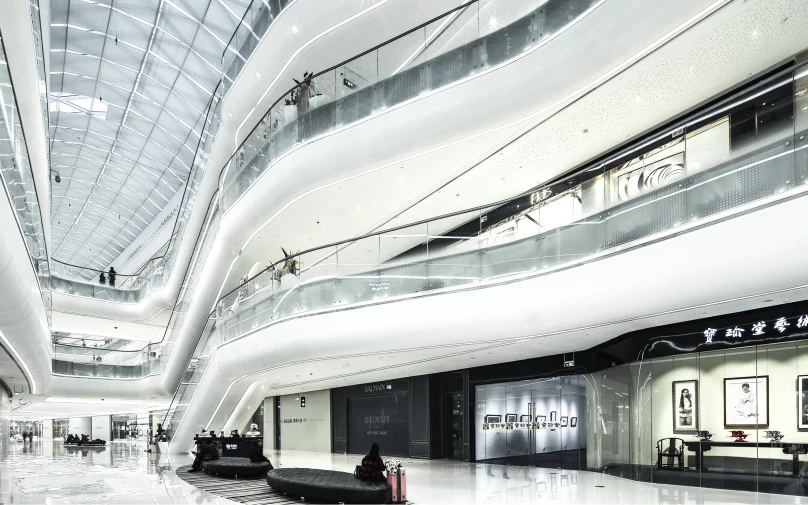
(130, 80)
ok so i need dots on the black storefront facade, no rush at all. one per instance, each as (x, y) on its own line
(620, 408)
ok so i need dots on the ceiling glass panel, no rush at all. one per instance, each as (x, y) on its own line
(129, 79)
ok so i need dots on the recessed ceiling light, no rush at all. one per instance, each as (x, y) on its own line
(492, 22)
(638, 99)
(230, 114)
(754, 34)
(258, 74)
(294, 29)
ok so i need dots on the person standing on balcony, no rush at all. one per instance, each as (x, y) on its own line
(112, 276)
(102, 279)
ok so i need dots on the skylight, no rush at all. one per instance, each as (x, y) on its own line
(78, 104)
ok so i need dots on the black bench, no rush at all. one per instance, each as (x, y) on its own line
(235, 467)
(91, 443)
(327, 486)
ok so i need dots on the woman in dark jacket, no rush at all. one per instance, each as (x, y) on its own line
(372, 466)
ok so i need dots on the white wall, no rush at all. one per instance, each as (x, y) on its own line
(80, 426)
(47, 429)
(309, 428)
(102, 428)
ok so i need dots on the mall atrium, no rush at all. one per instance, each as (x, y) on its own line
(377, 251)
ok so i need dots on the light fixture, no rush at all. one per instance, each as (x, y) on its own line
(58, 177)
(258, 74)
(230, 114)
(294, 29)
(638, 99)
(492, 22)
(754, 34)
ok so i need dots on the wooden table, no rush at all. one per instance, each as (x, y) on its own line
(795, 450)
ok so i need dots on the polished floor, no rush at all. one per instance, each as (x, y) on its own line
(121, 473)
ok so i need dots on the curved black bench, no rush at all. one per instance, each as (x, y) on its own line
(327, 485)
(235, 467)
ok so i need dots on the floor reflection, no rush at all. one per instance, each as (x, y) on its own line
(121, 473)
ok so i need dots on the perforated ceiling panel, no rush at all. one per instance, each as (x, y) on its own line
(130, 79)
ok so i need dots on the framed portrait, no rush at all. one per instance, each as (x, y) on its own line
(491, 418)
(541, 419)
(746, 402)
(510, 418)
(564, 421)
(802, 402)
(685, 406)
(524, 418)
(553, 417)
(573, 422)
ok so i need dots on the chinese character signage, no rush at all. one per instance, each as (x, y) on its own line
(780, 327)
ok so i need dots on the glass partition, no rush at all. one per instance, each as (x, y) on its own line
(651, 417)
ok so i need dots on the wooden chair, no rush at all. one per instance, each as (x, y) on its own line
(671, 449)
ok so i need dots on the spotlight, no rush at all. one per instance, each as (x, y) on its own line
(58, 177)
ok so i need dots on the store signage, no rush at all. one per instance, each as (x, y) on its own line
(522, 426)
(780, 327)
(569, 364)
(375, 388)
(540, 196)
(302, 402)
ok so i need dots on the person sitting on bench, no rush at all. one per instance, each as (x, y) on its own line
(372, 466)
(84, 438)
(71, 439)
(257, 454)
(203, 452)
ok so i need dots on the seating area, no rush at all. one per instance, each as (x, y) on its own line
(238, 468)
(327, 486)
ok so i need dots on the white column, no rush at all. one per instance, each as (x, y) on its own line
(102, 428)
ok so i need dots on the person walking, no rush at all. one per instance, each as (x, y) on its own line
(112, 277)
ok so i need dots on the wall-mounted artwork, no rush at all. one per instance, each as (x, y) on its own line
(491, 418)
(746, 402)
(564, 421)
(524, 418)
(802, 401)
(510, 418)
(685, 406)
(553, 416)
(573, 422)
(541, 419)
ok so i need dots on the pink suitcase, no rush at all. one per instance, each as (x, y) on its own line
(398, 485)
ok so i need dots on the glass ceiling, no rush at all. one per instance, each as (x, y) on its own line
(129, 80)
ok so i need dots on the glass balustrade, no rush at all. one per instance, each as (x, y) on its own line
(748, 149)
(254, 24)
(468, 40)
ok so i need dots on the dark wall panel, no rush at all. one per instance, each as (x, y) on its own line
(338, 417)
(419, 393)
(382, 419)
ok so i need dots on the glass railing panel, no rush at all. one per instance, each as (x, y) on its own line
(358, 268)
(451, 49)
(504, 248)
(404, 262)
(402, 73)
(453, 251)
(318, 276)
(508, 28)
(356, 89)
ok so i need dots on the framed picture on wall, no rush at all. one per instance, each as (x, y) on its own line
(541, 419)
(524, 418)
(802, 402)
(685, 406)
(564, 421)
(746, 402)
(490, 418)
(553, 417)
(573, 422)
(510, 418)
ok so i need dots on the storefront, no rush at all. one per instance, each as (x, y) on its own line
(720, 403)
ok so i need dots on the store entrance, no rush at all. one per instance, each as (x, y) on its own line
(453, 425)
(537, 422)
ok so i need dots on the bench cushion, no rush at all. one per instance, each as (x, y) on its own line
(327, 485)
(235, 467)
